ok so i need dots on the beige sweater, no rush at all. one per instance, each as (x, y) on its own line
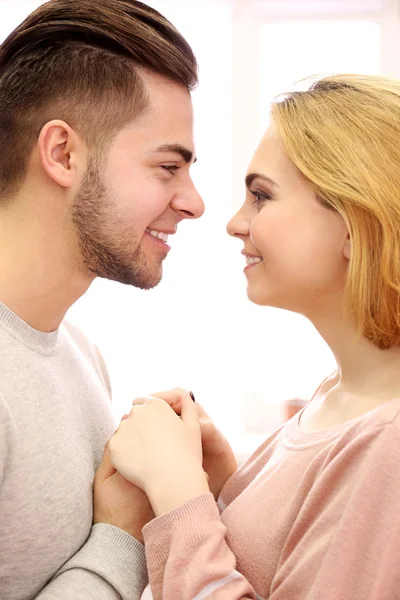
(55, 418)
(311, 516)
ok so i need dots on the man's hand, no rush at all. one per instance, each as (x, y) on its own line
(219, 461)
(161, 453)
(118, 502)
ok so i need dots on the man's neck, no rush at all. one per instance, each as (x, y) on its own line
(44, 311)
(39, 279)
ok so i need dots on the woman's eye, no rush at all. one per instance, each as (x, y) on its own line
(170, 168)
(260, 197)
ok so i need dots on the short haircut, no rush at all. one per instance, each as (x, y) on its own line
(79, 61)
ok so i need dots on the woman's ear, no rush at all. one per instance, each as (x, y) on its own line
(347, 247)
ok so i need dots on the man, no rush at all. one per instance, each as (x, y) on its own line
(96, 136)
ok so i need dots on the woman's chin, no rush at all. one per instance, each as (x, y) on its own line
(257, 296)
(263, 298)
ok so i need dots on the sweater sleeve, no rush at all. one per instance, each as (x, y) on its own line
(188, 556)
(344, 543)
(110, 566)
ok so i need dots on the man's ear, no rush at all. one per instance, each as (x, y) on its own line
(57, 147)
(347, 247)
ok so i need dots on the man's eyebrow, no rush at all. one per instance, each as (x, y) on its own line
(252, 176)
(185, 153)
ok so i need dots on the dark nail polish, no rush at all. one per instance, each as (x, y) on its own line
(192, 396)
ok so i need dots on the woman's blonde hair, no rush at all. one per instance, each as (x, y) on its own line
(343, 134)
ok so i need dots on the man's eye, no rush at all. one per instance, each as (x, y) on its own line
(260, 197)
(170, 168)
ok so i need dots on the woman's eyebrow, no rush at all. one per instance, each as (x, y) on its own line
(252, 176)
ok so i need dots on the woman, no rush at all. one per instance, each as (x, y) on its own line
(315, 513)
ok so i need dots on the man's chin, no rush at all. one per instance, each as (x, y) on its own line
(146, 285)
(147, 281)
(140, 281)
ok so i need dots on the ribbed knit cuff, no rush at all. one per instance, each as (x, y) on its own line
(185, 525)
(116, 556)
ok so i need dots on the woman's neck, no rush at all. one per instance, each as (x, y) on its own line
(367, 376)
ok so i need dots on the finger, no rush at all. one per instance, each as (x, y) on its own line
(105, 469)
(206, 425)
(122, 419)
(173, 398)
(200, 411)
(170, 395)
(140, 400)
(208, 430)
(189, 414)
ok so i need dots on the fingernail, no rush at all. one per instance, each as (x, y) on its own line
(124, 417)
(192, 396)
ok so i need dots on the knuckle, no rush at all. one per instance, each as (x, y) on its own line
(138, 400)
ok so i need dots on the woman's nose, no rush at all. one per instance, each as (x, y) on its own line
(238, 226)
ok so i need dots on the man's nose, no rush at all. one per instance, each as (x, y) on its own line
(189, 202)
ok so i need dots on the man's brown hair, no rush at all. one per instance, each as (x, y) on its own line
(77, 60)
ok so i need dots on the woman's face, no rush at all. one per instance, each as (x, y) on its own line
(301, 246)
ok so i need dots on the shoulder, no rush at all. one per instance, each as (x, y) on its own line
(76, 335)
(370, 444)
(382, 421)
(88, 350)
(7, 436)
(394, 415)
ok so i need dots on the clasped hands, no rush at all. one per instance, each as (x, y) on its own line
(170, 449)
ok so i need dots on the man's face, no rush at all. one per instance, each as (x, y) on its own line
(141, 190)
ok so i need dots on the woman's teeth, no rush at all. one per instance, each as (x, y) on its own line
(252, 260)
(158, 234)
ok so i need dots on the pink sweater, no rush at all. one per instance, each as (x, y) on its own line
(311, 516)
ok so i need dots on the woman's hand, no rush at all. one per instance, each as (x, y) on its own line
(117, 502)
(161, 453)
(219, 461)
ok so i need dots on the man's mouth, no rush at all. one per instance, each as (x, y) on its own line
(161, 235)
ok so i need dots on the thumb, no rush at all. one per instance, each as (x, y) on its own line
(106, 468)
(189, 413)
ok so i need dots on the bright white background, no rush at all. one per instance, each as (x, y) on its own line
(197, 328)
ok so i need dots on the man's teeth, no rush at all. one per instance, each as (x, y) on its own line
(251, 260)
(158, 234)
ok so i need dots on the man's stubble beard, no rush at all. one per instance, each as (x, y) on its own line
(105, 246)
